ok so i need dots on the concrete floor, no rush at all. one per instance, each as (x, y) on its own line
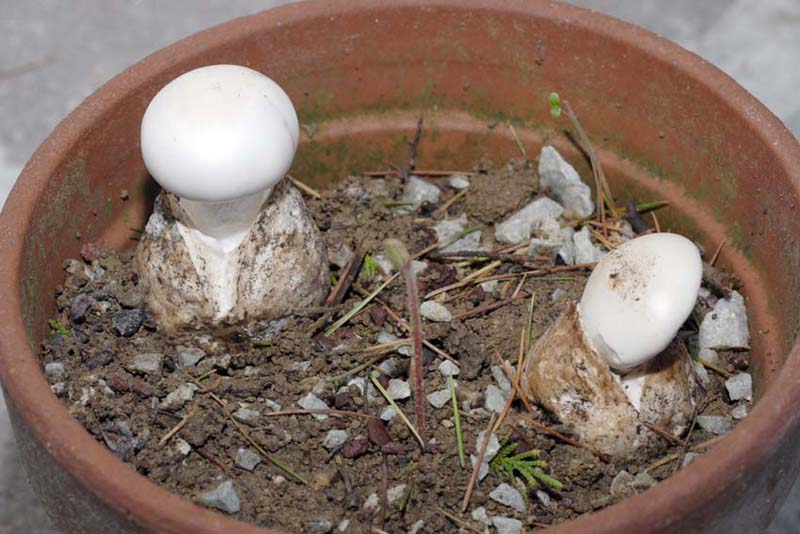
(55, 53)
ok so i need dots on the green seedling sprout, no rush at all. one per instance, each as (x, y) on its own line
(527, 465)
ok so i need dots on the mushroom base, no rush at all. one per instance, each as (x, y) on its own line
(565, 374)
(279, 266)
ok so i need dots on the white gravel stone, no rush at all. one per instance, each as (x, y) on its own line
(395, 493)
(398, 389)
(446, 229)
(312, 402)
(585, 250)
(246, 415)
(557, 294)
(625, 482)
(419, 191)
(439, 399)
(182, 446)
(479, 514)
(708, 355)
(702, 373)
(547, 238)
(386, 337)
(716, 424)
(416, 527)
(500, 377)
(301, 366)
(725, 327)
(689, 458)
(272, 405)
(494, 399)
(372, 502)
(507, 525)
(384, 263)
(54, 370)
(492, 448)
(567, 250)
(320, 526)
(388, 366)
(484, 469)
(344, 524)
(247, 459)
(359, 382)
(543, 497)
(180, 396)
(740, 387)
(458, 182)
(519, 226)
(433, 311)
(418, 267)
(58, 388)
(146, 363)
(334, 439)
(490, 286)
(508, 495)
(388, 413)
(448, 368)
(189, 356)
(740, 412)
(223, 498)
(564, 183)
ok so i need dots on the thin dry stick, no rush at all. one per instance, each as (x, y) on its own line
(719, 370)
(676, 455)
(474, 478)
(518, 141)
(557, 434)
(207, 455)
(416, 172)
(517, 388)
(347, 278)
(303, 187)
(461, 523)
(397, 409)
(342, 413)
(455, 198)
(489, 307)
(538, 272)
(359, 306)
(483, 270)
(177, 428)
(655, 221)
(398, 254)
(441, 244)
(389, 346)
(515, 381)
(716, 252)
(663, 433)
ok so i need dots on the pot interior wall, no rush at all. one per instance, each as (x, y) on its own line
(661, 135)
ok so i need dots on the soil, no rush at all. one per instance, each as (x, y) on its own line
(101, 327)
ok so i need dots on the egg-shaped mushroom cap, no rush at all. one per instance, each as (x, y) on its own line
(219, 133)
(639, 295)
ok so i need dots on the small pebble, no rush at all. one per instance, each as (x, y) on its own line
(334, 439)
(557, 294)
(246, 415)
(439, 399)
(388, 413)
(146, 363)
(494, 399)
(740, 387)
(418, 267)
(301, 366)
(543, 497)
(247, 459)
(416, 527)
(223, 498)
(126, 323)
(54, 370)
(394, 494)
(500, 377)
(518, 227)
(484, 469)
(567, 250)
(509, 496)
(189, 356)
(716, 424)
(398, 389)
(272, 405)
(320, 526)
(725, 326)
(446, 229)
(490, 286)
(709, 355)
(433, 311)
(740, 412)
(563, 183)
(492, 448)
(418, 191)
(58, 388)
(507, 525)
(372, 502)
(458, 182)
(625, 484)
(585, 250)
(448, 368)
(344, 524)
(182, 446)
(79, 307)
(547, 238)
(180, 396)
(312, 402)
(479, 514)
(689, 458)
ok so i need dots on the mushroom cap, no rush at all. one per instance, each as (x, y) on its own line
(219, 133)
(638, 296)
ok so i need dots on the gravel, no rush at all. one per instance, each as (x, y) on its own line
(448, 368)
(126, 323)
(509, 496)
(458, 182)
(433, 311)
(246, 415)
(398, 389)
(519, 226)
(740, 387)
(189, 356)
(223, 498)
(446, 229)
(320, 526)
(507, 525)
(716, 424)
(585, 250)
(725, 327)
(740, 412)
(54, 370)
(247, 459)
(180, 396)
(334, 439)
(312, 402)
(439, 399)
(418, 191)
(494, 399)
(564, 183)
(500, 377)
(146, 363)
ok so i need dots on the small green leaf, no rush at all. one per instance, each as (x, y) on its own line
(555, 104)
(370, 267)
(60, 328)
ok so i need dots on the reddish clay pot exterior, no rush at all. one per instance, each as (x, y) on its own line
(667, 125)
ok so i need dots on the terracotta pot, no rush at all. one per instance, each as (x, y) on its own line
(667, 125)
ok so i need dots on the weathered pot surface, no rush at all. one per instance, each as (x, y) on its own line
(667, 125)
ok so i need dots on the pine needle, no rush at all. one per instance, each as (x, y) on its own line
(397, 409)
(359, 306)
(457, 421)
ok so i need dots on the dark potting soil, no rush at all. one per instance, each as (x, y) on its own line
(190, 410)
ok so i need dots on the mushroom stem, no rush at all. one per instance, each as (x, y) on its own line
(223, 225)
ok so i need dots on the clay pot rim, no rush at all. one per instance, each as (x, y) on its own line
(154, 507)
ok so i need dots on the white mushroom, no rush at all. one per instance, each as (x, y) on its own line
(634, 302)
(229, 239)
